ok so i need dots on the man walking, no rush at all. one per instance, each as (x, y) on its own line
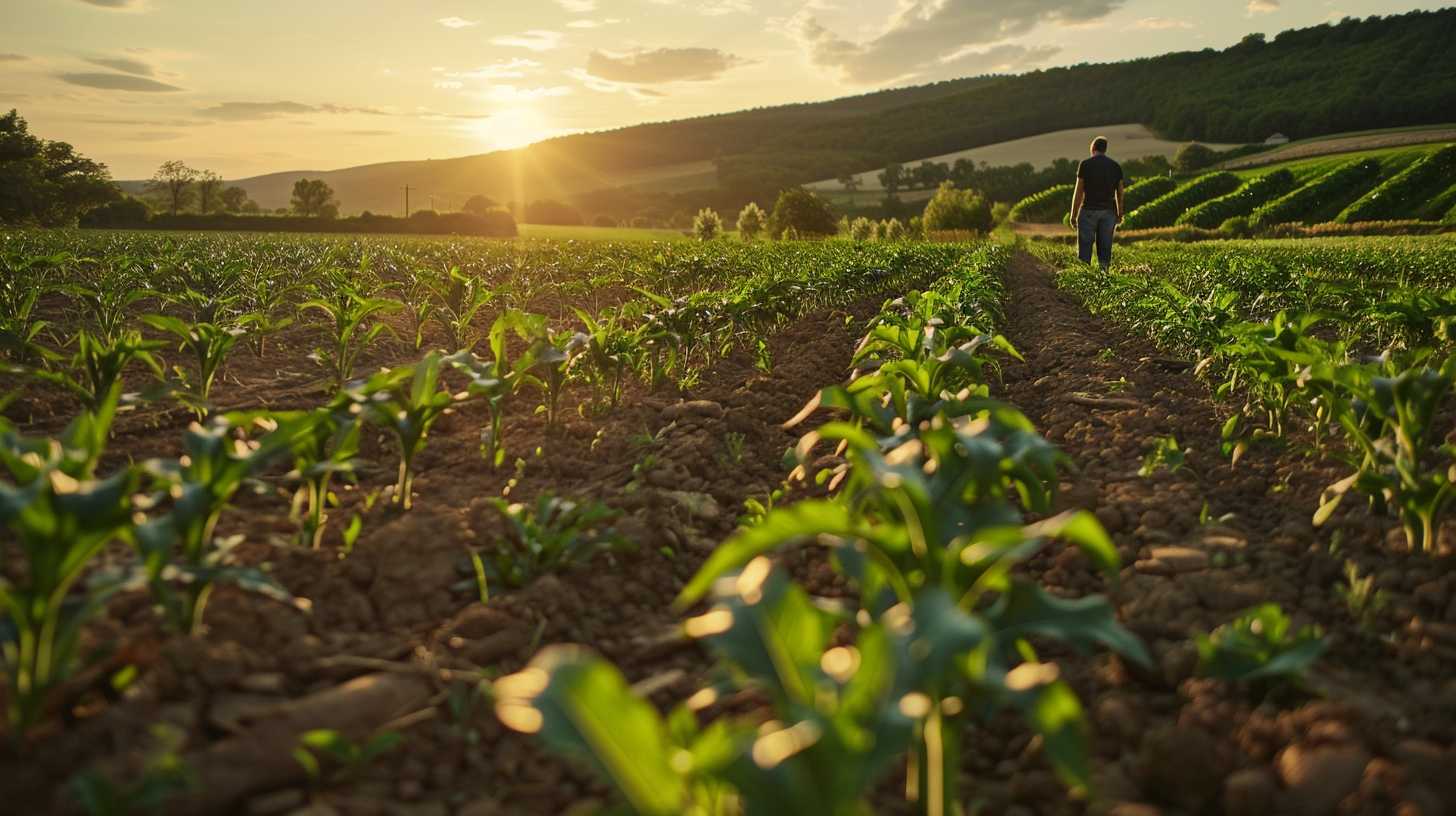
(1097, 203)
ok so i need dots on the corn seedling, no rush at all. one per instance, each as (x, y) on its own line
(406, 401)
(548, 536)
(326, 446)
(458, 298)
(1259, 645)
(496, 381)
(353, 328)
(208, 344)
(344, 757)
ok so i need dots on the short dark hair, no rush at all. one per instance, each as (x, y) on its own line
(1099, 144)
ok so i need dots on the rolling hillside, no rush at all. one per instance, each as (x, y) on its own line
(1347, 76)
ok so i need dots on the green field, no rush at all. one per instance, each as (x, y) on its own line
(587, 233)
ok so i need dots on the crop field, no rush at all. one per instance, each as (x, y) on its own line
(306, 524)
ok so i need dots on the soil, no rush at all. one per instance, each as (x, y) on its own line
(392, 635)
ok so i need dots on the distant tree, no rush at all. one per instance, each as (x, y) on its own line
(751, 221)
(479, 205)
(707, 225)
(1194, 156)
(806, 214)
(44, 182)
(209, 185)
(172, 183)
(547, 211)
(314, 198)
(604, 221)
(123, 212)
(851, 184)
(952, 209)
(929, 174)
(250, 207)
(892, 178)
(233, 199)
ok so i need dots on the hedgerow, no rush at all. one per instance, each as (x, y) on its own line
(1305, 203)
(1046, 207)
(1401, 194)
(1254, 193)
(1164, 210)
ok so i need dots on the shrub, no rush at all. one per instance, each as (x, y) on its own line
(1194, 156)
(1163, 211)
(604, 221)
(1140, 193)
(894, 230)
(1253, 194)
(1305, 204)
(751, 221)
(1403, 193)
(952, 209)
(861, 229)
(479, 205)
(1046, 207)
(806, 214)
(547, 211)
(124, 212)
(707, 225)
(1000, 211)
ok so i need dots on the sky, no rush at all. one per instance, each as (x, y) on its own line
(244, 88)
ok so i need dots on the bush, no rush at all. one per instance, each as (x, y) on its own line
(551, 212)
(707, 225)
(124, 212)
(1251, 195)
(479, 205)
(1046, 207)
(894, 230)
(806, 214)
(751, 221)
(643, 222)
(861, 229)
(604, 221)
(1163, 211)
(1307, 203)
(952, 209)
(1404, 193)
(1000, 211)
(1194, 156)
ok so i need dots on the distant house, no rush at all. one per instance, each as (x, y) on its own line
(1277, 139)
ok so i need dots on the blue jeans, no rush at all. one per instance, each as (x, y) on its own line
(1095, 226)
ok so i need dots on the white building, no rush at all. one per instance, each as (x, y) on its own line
(1277, 139)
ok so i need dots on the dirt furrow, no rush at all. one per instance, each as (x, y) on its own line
(1199, 545)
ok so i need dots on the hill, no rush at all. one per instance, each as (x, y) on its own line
(1332, 78)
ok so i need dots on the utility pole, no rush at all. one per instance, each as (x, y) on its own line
(406, 201)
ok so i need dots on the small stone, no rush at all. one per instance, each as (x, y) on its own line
(1318, 778)
(1111, 518)
(693, 408)
(478, 621)
(1181, 559)
(1153, 566)
(492, 649)
(263, 683)
(271, 804)
(1250, 792)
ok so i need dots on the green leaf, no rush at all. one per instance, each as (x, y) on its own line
(1026, 609)
(581, 706)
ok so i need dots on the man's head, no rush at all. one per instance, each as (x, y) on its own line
(1099, 145)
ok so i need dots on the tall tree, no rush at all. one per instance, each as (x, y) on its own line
(209, 184)
(850, 182)
(892, 178)
(479, 205)
(314, 198)
(44, 182)
(173, 184)
(234, 199)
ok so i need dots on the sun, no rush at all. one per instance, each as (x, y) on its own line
(510, 128)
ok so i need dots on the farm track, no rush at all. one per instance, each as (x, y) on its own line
(1383, 725)
(397, 606)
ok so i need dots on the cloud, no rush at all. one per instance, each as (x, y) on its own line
(578, 6)
(1006, 58)
(126, 65)
(534, 40)
(607, 86)
(13, 58)
(1161, 23)
(513, 68)
(661, 65)
(116, 82)
(457, 22)
(924, 33)
(718, 8)
(593, 23)
(247, 111)
(118, 5)
(1262, 7)
(426, 113)
(511, 93)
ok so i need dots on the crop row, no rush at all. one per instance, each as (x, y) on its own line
(1365, 367)
(926, 519)
(1420, 181)
(1164, 210)
(1321, 199)
(1251, 195)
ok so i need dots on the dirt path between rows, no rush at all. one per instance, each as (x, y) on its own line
(1376, 736)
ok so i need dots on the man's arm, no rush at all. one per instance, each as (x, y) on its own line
(1120, 186)
(1078, 196)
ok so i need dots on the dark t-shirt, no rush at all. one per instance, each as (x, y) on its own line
(1100, 176)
